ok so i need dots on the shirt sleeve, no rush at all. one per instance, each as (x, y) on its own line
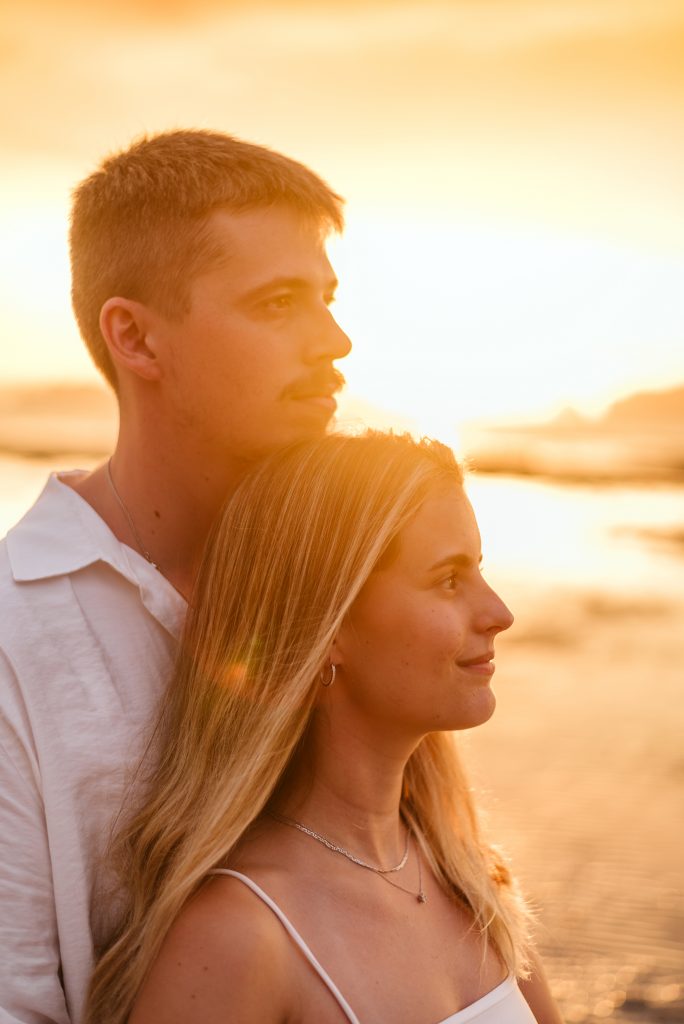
(30, 988)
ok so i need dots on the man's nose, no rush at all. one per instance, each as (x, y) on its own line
(328, 340)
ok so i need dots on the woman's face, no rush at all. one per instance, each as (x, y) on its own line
(416, 649)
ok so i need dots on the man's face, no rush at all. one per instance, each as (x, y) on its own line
(250, 367)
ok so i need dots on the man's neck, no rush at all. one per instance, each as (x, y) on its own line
(161, 502)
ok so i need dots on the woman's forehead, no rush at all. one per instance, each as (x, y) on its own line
(444, 525)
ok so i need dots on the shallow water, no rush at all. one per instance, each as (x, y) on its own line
(616, 538)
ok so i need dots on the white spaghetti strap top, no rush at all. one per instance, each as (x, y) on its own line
(505, 1004)
(294, 934)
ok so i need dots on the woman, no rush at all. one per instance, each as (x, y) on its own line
(308, 850)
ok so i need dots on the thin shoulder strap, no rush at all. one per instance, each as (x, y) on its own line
(294, 934)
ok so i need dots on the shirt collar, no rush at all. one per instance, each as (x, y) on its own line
(62, 533)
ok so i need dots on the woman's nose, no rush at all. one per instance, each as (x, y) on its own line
(495, 616)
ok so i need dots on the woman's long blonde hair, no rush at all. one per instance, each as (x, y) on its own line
(291, 551)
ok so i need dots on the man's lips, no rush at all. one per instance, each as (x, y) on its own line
(317, 388)
(325, 402)
(310, 393)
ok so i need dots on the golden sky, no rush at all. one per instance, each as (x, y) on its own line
(513, 170)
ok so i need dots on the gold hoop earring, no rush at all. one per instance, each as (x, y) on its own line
(333, 671)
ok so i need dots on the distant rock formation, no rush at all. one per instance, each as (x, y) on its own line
(655, 408)
(639, 438)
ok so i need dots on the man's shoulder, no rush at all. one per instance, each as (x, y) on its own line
(35, 565)
(20, 578)
(57, 536)
(21, 611)
(9, 587)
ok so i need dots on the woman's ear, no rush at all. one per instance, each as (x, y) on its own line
(335, 655)
(338, 647)
(126, 327)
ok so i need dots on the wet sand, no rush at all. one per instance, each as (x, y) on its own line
(582, 768)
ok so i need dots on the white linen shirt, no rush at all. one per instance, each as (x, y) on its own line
(88, 633)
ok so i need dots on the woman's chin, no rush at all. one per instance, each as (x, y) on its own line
(478, 710)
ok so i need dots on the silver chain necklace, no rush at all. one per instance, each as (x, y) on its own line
(382, 872)
(143, 550)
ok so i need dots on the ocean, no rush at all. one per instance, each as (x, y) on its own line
(627, 538)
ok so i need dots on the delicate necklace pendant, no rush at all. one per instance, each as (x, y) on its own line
(383, 873)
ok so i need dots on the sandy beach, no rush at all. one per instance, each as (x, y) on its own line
(582, 766)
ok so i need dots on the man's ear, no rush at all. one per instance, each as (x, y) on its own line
(127, 328)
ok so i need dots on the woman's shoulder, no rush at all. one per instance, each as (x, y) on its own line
(212, 960)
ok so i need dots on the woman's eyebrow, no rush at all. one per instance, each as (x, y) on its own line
(458, 561)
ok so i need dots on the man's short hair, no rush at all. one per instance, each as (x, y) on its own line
(139, 223)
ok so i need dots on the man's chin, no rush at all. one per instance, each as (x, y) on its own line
(312, 418)
(308, 431)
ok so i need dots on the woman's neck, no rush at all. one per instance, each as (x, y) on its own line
(352, 798)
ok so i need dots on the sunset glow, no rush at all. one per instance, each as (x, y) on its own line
(511, 277)
(512, 171)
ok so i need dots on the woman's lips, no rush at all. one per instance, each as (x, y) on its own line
(481, 666)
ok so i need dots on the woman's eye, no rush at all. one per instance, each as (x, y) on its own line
(278, 302)
(451, 581)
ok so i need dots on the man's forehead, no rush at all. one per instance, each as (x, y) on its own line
(267, 244)
(225, 223)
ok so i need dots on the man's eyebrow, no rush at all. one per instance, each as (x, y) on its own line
(292, 283)
(458, 561)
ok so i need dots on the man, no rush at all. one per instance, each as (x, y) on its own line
(202, 289)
